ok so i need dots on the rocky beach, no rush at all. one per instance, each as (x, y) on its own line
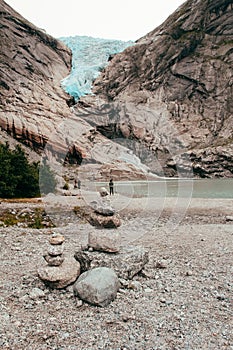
(150, 266)
(181, 299)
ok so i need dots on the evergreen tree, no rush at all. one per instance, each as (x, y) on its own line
(18, 178)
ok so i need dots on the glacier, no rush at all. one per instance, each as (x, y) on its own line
(89, 57)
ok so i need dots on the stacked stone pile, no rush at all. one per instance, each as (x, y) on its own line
(99, 269)
(104, 261)
(104, 215)
(60, 271)
(55, 255)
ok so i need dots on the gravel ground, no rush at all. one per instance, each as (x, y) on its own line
(181, 300)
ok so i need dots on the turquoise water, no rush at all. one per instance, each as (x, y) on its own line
(195, 188)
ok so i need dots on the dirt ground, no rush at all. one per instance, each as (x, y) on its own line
(183, 298)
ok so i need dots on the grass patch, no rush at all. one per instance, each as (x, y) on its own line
(36, 218)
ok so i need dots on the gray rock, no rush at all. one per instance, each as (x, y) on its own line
(54, 260)
(55, 250)
(56, 239)
(103, 207)
(135, 285)
(36, 293)
(107, 211)
(127, 263)
(101, 221)
(98, 286)
(60, 276)
(102, 240)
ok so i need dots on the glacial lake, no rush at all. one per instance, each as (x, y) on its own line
(195, 188)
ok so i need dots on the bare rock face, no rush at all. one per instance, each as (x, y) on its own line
(172, 92)
(167, 100)
(32, 66)
(36, 111)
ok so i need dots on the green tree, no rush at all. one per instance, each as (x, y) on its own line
(18, 178)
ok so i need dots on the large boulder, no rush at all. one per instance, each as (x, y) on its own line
(127, 263)
(98, 286)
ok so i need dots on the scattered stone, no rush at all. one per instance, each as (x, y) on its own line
(83, 260)
(123, 282)
(127, 263)
(98, 286)
(79, 303)
(107, 241)
(163, 301)
(161, 264)
(189, 273)
(36, 293)
(135, 285)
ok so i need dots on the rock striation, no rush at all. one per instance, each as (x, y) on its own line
(163, 105)
(172, 92)
(36, 111)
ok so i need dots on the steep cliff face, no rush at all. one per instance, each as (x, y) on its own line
(35, 110)
(167, 99)
(32, 65)
(172, 91)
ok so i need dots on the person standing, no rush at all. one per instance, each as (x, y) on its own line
(111, 185)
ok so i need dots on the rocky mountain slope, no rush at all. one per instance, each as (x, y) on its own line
(35, 110)
(32, 66)
(172, 93)
(166, 100)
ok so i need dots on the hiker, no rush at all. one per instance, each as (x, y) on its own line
(111, 187)
(77, 184)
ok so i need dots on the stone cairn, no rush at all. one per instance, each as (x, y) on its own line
(105, 264)
(55, 254)
(59, 271)
(98, 270)
(104, 215)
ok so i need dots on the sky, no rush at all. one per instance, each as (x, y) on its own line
(120, 19)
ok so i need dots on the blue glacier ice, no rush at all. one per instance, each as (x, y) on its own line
(89, 57)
